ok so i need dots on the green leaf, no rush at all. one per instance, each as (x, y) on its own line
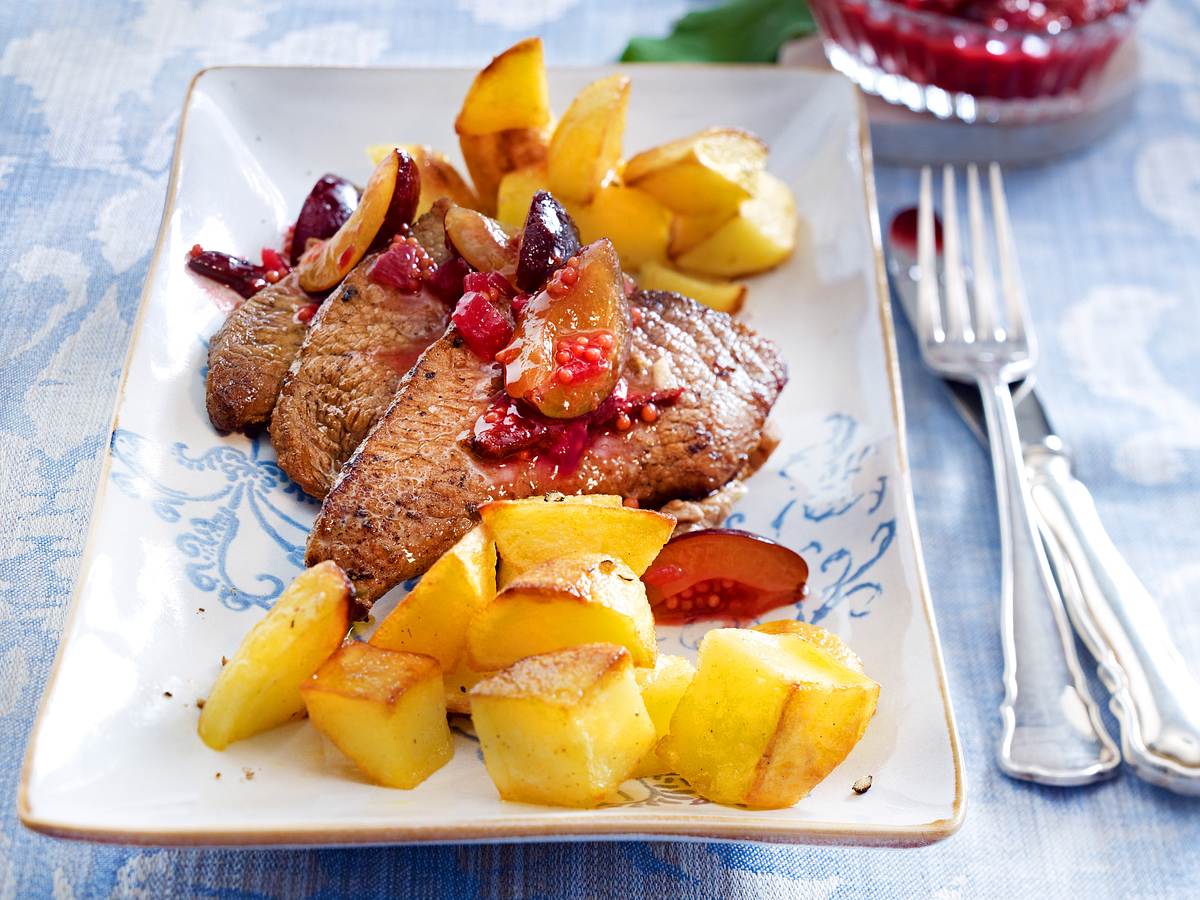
(739, 31)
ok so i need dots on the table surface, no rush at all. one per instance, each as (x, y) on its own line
(1110, 241)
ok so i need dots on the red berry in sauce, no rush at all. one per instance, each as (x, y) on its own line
(484, 328)
(404, 266)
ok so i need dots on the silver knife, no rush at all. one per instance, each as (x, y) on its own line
(1155, 698)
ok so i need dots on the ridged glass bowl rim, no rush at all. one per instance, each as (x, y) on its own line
(1117, 21)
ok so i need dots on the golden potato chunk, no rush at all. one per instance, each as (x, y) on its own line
(759, 237)
(725, 296)
(515, 193)
(259, 687)
(709, 173)
(489, 157)
(817, 636)
(534, 530)
(766, 718)
(563, 728)
(637, 224)
(586, 145)
(433, 618)
(509, 92)
(569, 600)
(688, 231)
(385, 710)
(459, 682)
(661, 688)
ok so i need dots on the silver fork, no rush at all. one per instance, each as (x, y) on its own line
(1052, 731)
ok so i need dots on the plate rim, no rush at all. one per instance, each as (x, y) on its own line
(581, 825)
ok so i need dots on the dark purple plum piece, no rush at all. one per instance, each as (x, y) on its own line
(327, 206)
(405, 197)
(446, 282)
(240, 274)
(550, 238)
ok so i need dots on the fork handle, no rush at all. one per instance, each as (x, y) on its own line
(1155, 697)
(1052, 732)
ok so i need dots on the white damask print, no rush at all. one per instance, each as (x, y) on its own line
(529, 14)
(1106, 337)
(1167, 176)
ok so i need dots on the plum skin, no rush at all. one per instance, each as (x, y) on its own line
(325, 209)
(549, 239)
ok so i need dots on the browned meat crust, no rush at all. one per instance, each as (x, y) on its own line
(412, 488)
(250, 354)
(359, 346)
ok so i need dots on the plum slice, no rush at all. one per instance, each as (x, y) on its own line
(549, 239)
(572, 340)
(240, 274)
(723, 573)
(479, 240)
(387, 204)
(326, 208)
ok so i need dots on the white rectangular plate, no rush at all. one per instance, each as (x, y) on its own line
(193, 534)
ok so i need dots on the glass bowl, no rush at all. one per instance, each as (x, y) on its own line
(917, 55)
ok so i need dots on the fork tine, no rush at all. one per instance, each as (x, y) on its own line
(958, 323)
(981, 265)
(1010, 273)
(929, 314)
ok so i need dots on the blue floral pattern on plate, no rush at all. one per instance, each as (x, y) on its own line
(236, 489)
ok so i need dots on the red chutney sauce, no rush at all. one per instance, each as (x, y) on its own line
(1002, 49)
(512, 430)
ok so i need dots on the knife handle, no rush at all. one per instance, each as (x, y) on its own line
(1053, 733)
(1155, 697)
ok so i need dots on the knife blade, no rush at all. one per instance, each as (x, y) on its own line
(1155, 699)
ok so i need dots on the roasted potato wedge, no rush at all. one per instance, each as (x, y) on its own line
(586, 145)
(725, 296)
(766, 718)
(688, 231)
(759, 237)
(637, 224)
(490, 157)
(817, 636)
(509, 92)
(459, 682)
(564, 601)
(705, 174)
(439, 178)
(433, 618)
(259, 687)
(531, 531)
(564, 728)
(384, 709)
(515, 193)
(662, 687)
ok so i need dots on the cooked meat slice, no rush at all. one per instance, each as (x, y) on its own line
(413, 486)
(707, 512)
(360, 344)
(250, 354)
(430, 230)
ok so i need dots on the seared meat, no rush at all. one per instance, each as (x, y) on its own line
(250, 354)
(360, 344)
(413, 486)
(707, 512)
(430, 230)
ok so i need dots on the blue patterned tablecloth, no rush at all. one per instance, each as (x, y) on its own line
(89, 99)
